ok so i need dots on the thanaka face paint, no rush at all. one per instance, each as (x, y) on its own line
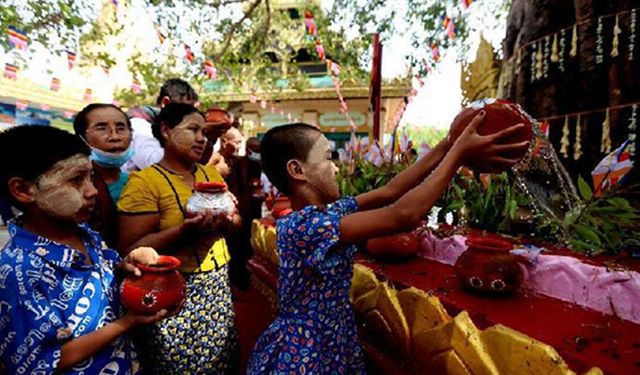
(188, 137)
(65, 191)
(321, 171)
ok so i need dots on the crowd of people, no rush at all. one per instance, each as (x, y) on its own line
(96, 203)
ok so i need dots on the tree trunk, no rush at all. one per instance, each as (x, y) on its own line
(585, 84)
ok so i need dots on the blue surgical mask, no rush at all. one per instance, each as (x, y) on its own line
(111, 159)
(253, 156)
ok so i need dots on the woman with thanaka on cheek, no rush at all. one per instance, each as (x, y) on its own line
(152, 212)
(107, 130)
(315, 330)
(57, 278)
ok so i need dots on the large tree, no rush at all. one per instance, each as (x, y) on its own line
(244, 38)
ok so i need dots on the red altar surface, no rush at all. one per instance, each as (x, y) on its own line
(584, 338)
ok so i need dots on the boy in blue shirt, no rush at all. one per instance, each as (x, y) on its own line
(59, 302)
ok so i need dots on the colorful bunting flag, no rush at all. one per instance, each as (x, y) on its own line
(135, 86)
(310, 23)
(466, 3)
(435, 52)
(210, 70)
(188, 54)
(612, 169)
(88, 95)
(21, 105)
(17, 38)
(106, 70)
(320, 50)
(10, 71)
(334, 67)
(71, 59)
(159, 33)
(55, 84)
(450, 29)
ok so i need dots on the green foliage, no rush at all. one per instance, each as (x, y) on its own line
(598, 225)
(357, 176)
(430, 136)
(491, 208)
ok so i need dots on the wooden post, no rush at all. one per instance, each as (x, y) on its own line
(375, 88)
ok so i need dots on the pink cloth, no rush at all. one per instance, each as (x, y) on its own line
(566, 278)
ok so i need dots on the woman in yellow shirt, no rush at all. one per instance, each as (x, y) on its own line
(202, 337)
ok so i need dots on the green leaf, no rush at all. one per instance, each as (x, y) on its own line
(588, 234)
(585, 190)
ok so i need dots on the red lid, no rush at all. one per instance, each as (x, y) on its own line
(165, 263)
(211, 186)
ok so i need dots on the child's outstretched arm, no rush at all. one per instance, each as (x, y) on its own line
(404, 181)
(416, 173)
(407, 212)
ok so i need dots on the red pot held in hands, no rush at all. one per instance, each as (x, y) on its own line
(160, 286)
(402, 245)
(501, 114)
(488, 267)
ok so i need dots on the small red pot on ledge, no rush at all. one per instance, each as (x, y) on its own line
(397, 246)
(161, 286)
(488, 267)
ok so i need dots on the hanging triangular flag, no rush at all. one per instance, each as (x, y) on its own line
(88, 95)
(106, 70)
(188, 54)
(55, 84)
(451, 30)
(466, 3)
(334, 67)
(10, 71)
(319, 50)
(159, 33)
(17, 38)
(71, 59)
(115, 4)
(135, 86)
(210, 70)
(435, 52)
(21, 105)
(310, 23)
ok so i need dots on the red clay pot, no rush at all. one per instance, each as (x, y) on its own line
(281, 207)
(501, 114)
(488, 267)
(161, 286)
(396, 246)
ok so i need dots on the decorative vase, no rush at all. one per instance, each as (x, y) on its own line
(398, 246)
(281, 207)
(488, 267)
(161, 286)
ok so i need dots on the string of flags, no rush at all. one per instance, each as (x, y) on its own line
(55, 84)
(71, 59)
(10, 71)
(17, 38)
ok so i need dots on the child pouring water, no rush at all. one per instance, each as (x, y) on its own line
(315, 330)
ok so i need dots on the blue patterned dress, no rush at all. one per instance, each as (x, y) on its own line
(315, 331)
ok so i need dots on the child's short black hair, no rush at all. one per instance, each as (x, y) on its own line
(284, 143)
(171, 115)
(29, 151)
(175, 89)
(80, 122)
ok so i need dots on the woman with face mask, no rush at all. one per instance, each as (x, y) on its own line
(107, 130)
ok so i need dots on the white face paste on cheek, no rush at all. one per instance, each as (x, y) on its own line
(182, 137)
(53, 193)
